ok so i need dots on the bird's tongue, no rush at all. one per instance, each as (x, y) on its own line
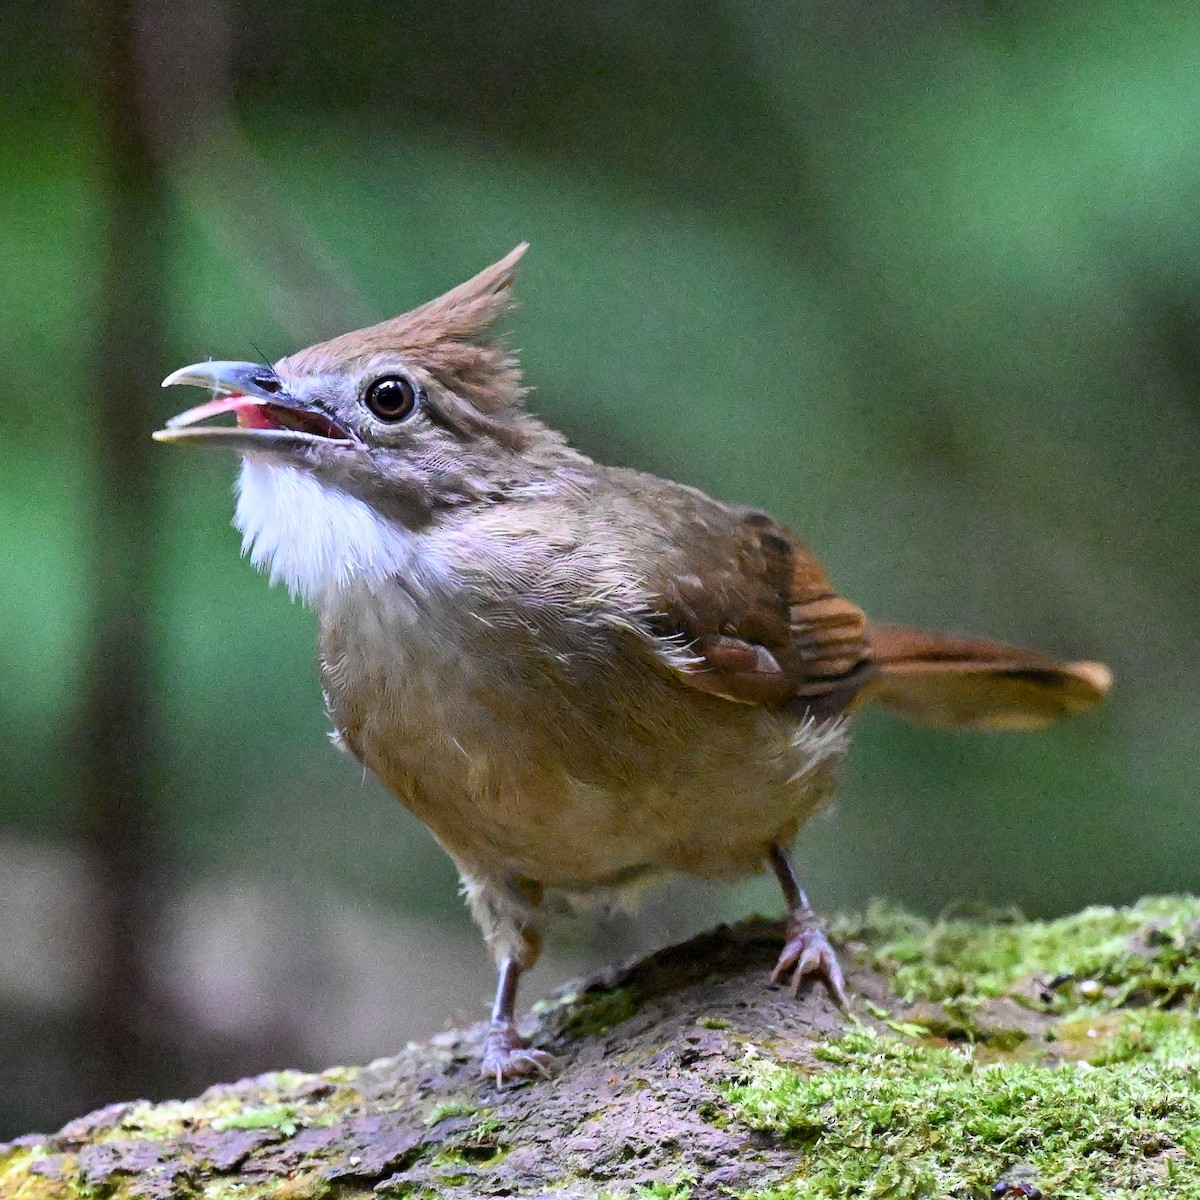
(251, 414)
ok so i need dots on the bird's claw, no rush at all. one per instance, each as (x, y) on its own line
(808, 952)
(507, 1057)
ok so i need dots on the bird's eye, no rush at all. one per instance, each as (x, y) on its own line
(391, 398)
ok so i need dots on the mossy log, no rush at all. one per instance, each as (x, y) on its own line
(982, 1056)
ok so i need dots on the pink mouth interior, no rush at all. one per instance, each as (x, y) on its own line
(266, 414)
(251, 414)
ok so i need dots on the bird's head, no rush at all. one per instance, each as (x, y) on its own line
(354, 448)
(418, 411)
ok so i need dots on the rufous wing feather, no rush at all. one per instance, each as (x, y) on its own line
(767, 627)
(946, 681)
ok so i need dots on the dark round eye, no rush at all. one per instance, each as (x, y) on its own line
(391, 398)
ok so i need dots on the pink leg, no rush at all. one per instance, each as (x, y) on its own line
(506, 1055)
(807, 950)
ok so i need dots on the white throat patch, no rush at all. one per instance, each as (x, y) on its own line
(317, 539)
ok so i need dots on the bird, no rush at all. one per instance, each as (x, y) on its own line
(580, 677)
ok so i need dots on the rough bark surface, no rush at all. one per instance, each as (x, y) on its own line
(638, 1102)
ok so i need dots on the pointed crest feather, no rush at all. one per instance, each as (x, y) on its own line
(467, 311)
(446, 336)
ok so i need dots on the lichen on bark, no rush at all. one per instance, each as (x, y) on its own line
(980, 1052)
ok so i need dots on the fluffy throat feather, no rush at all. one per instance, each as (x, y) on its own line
(318, 540)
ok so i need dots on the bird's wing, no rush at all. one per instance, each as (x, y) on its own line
(764, 626)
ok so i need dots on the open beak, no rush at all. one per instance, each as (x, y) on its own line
(268, 417)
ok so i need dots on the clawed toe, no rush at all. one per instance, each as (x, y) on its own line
(808, 953)
(506, 1057)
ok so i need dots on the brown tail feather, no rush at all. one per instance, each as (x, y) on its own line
(952, 681)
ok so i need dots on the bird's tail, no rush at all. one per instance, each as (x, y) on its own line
(969, 682)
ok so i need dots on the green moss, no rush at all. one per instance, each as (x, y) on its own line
(299, 1187)
(235, 1111)
(887, 1117)
(654, 1191)
(1147, 953)
(451, 1108)
(272, 1116)
(1106, 1038)
(16, 1181)
(593, 1014)
(1104, 1102)
(480, 1146)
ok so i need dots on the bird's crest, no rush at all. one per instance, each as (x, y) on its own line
(448, 337)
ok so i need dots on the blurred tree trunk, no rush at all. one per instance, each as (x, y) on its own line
(159, 79)
(634, 1102)
(119, 723)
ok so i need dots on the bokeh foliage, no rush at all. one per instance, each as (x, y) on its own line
(920, 278)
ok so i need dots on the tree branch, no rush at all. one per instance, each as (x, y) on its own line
(1024, 1055)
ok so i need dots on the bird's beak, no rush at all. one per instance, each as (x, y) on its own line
(268, 416)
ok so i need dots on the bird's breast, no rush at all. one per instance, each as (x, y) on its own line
(554, 750)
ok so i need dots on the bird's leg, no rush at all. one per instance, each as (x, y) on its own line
(506, 912)
(807, 950)
(506, 1054)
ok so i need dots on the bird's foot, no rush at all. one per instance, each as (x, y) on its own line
(808, 952)
(507, 1056)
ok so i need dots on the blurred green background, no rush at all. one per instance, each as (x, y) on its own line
(920, 278)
